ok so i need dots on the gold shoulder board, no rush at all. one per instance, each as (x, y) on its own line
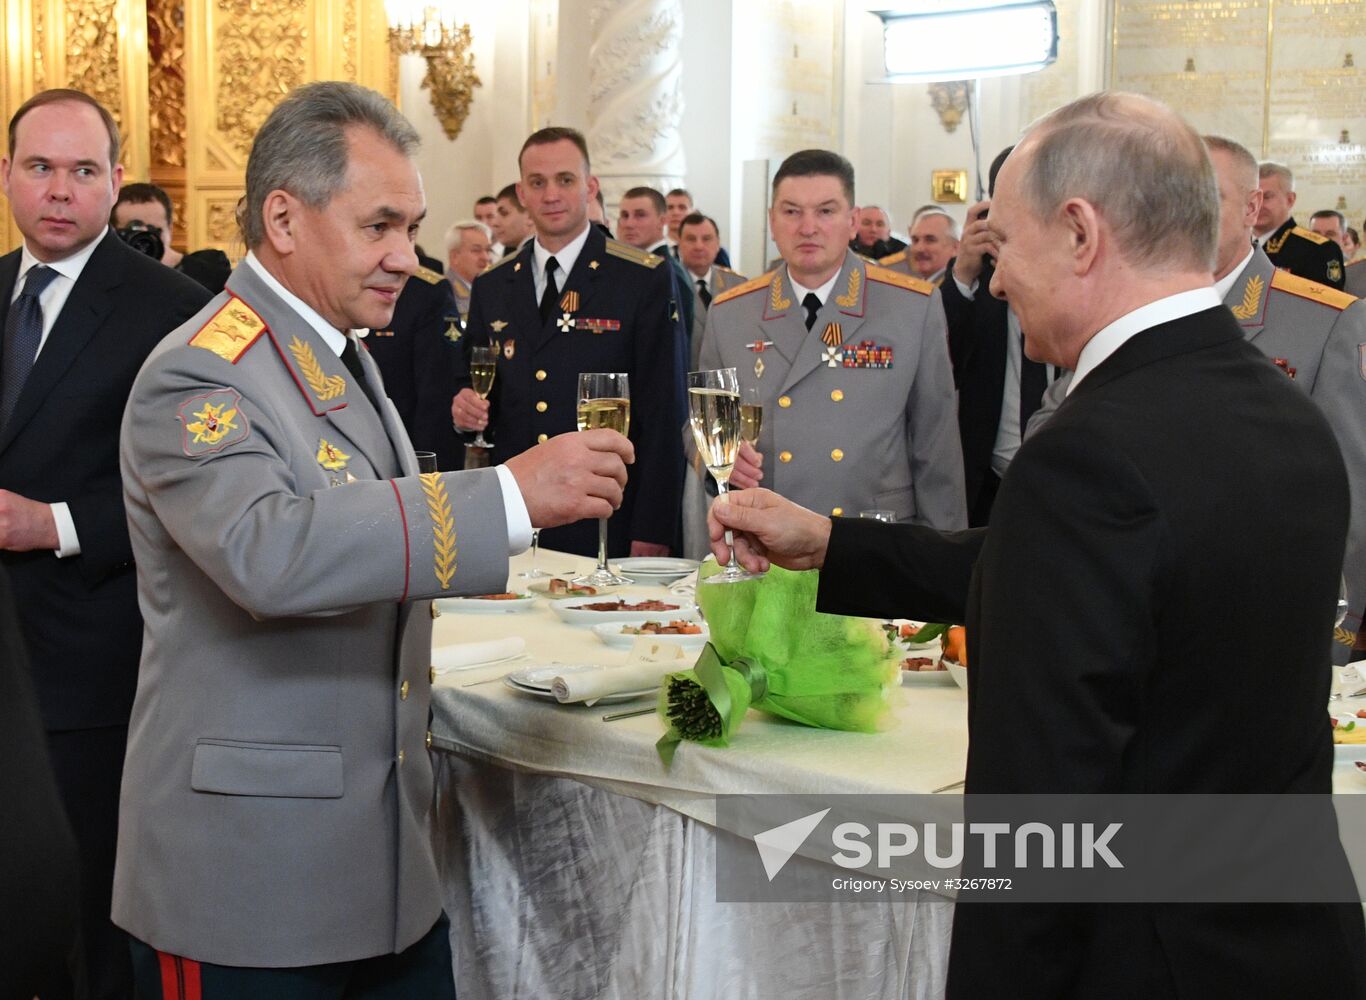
(905, 281)
(636, 256)
(895, 258)
(230, 331)
(1306, 289)
(506, 260)
(428, 275)
(1309, 235)
(752, 285)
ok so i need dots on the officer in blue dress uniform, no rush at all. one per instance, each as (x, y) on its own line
(603, 306)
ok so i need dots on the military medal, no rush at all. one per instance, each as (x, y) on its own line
(597, 325)
(833, 357)
(833, 335)
(569, 301)
(565, 323)
(509, 348)
(334, 460)
(758, 367)
(868, 355)
(759, 345)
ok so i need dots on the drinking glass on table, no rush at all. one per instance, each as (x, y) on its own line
(714, 413)
(604, 401)
(535, 571)
(483, 368)
(426, 461)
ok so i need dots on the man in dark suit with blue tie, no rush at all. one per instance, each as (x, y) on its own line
(573, 301)
(80, 311)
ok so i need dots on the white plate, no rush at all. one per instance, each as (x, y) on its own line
(611, 634)
(571, 611)
(654, 569)
(536, 682)
(475, 606)
(542, 587)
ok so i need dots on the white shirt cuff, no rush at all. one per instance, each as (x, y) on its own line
(969, 291)
(519, 521)
(67, 542)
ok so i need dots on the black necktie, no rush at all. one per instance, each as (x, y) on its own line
(551, 294)
(812, 305)
(705, 295)
(351, 358)
(23, 331)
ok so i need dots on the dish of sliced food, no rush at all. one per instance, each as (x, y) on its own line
(663, 628)
(488, 604)
(587, 611)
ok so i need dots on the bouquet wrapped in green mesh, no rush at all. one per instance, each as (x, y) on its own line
(771, 650)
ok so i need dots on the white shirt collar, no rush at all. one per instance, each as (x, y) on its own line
(822, 293)
(565, 257)
(704, 277)
(1155, 313)
(1224, 284)
(333, 337)
(68, 267)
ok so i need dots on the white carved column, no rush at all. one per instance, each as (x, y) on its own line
(635, 103)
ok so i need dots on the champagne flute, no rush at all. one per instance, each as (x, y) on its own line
(1339, 616)
(604, 401)
(751, 415)
(714, 413)
(535, 571)
(483, 368)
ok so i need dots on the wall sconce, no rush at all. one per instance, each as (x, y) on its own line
(433, 31)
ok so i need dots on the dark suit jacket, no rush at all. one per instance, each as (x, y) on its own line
(1182, 497)
(536, 390)
(80, 614)
(418, 363)
(37, 852)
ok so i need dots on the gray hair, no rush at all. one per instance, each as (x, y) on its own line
(454, 235)
(1140, 165)
(955, 231)
(1247, 163)
(1270, 168)
(302, 147)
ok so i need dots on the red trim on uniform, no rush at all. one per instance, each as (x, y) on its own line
(407, 556)
(191, 970)
(170, 983)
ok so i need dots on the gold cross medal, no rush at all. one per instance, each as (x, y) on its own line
(334, 460)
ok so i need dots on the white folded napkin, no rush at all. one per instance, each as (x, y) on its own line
(465, 655)
(646, 668)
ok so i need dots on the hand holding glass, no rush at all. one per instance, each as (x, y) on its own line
(714, 413)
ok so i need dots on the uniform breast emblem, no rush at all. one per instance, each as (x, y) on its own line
(509, 348)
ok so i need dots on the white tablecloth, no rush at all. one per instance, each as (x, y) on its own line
(577, 866)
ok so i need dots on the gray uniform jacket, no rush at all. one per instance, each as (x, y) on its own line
(722, 280)
(859, 412)
(275, 800)
(1319, 332)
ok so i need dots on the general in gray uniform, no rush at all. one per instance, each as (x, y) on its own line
(276, 796)
(859, 410)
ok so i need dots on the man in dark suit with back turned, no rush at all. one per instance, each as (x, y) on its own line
(1158, 513)
(80, 311)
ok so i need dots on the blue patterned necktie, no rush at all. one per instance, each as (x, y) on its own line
(23, 331)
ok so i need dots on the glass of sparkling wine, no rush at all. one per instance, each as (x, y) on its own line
(751, 415)
(483, 368)
(714, 412)
(604, 401)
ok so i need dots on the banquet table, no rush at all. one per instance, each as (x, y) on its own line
(576, 865)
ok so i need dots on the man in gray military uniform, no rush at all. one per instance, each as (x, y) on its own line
(1316, 334)
(851, 361)
(275, 802)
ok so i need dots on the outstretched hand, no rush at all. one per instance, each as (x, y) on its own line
(767, 529)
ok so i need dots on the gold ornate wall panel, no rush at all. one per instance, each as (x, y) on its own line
(189, 82)
(243, 56)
